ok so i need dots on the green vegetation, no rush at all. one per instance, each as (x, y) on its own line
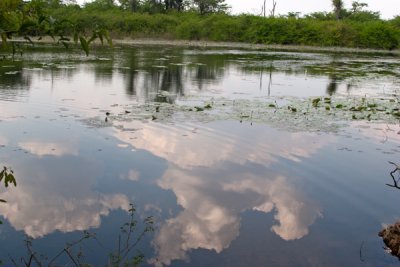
(33, 18)
(7, 175)
(194, 20)
(73, 253)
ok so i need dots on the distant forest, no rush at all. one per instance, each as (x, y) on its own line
(207, 20)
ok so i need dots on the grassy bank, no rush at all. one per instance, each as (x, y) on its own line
(375, 34)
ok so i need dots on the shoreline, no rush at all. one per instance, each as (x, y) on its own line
(250, 46)
(234, 45)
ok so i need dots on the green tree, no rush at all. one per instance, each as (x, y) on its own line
(357, 6)
(101, 5)
(357, 13)
(338, 8)
(132, 5)
(174, 4)
(152, 6)
(210, 6)
(10, 18)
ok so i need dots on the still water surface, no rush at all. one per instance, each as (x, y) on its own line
(223, 192)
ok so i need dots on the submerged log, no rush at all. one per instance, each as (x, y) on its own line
(391, 238)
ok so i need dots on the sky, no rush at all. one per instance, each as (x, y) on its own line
(387, 8)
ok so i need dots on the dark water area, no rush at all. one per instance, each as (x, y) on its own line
(85, 139)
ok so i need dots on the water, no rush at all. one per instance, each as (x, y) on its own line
(88, 136)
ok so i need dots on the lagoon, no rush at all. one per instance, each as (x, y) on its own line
(229, 150)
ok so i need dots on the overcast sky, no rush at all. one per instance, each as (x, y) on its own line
(388, 8)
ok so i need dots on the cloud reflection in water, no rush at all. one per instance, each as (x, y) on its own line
(214, 178)
(54, 194)
(41, 148)
(211, 211)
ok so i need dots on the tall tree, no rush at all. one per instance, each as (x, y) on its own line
(174, 4)
(338, 8)
(357, 6)
(132, 5)
(272, 11)
(152, 6)
(210, 6)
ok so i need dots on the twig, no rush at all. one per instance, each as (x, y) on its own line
(13, 261)
(119, 246)
(148, 228)
(71, 257)
(395, 182)
(86, 236)
(361, 247)
(30, 261)
(58, 255)
(128, 249)
(32, 257)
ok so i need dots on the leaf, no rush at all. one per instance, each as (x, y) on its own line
(84, 45)
(315, 102)
(11, 179)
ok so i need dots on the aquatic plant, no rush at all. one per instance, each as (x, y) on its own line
(126, 254)
(126, 242)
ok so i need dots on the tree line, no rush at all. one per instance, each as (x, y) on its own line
(209, 20)
(152, 6)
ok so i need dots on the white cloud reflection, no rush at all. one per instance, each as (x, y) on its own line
(201, 147)
(57, 195)
(213, 198)
(42, 148)
(211, 211)
(133, 175)
(38, 218)
(3, 141)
